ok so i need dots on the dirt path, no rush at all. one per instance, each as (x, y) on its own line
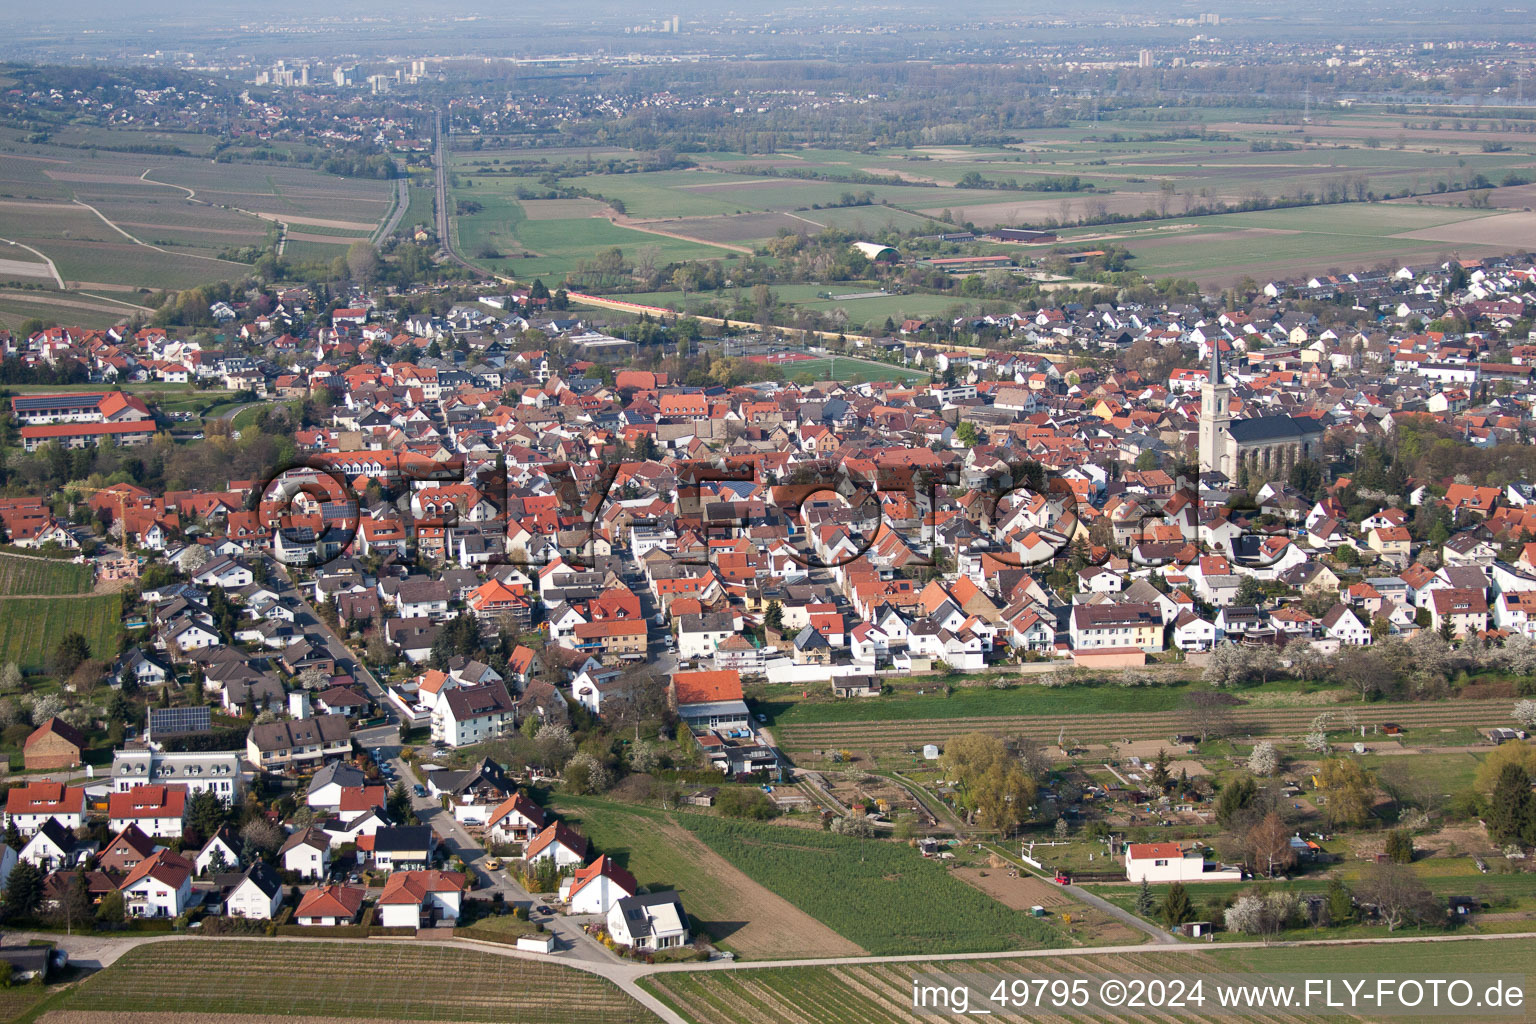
(52, 268)
(771, 925)
(636, 225)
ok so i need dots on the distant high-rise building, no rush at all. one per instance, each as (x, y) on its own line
(1145, 59)
(677, 24)
(304, 74)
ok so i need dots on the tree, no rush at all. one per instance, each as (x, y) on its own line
(398, 803)
(1397, 893)
(362, 261)
(1400, 846)
(991, 781)
(1160, 776)
(585, 774)
(644, 757)
(205, 813)
(261, 838)
(1230, 664)
(773, 617)
(72, 649)
(1524, 713)
(23, 891)
(10, 678)
(1264, 759)
(1492, 767)
(554, 744)
(1250, 591)
(967, 434)
(13, 837)
(110, 909)
(1348, 788)
(1236, 797)
(1207, 713)
(1341, 903)
(1511, 816)
(1177, 907)
(1363, 670)
(73, 905)
(1144, 902)
(745, 802)
(119, 708)
(1269, 845)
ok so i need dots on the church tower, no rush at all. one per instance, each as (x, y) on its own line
(1215, 417)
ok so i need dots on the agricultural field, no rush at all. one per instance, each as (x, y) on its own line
(41, 577)
(878, 895)
(1120, 169)
(889, 726)
(549, 247)
(122, 222)
(30, 627)
(737, 912)
(1510, 897)
(882, 993)
(377, 981)
(1279, 243)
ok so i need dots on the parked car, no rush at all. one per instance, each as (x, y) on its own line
(420, 790)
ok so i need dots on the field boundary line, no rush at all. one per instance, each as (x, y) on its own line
(139, 241)
(52, 267)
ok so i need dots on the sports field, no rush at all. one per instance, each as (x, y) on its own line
(848, 370)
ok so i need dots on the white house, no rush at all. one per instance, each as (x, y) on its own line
(653, 921)
(327, 906)
(595, 888)
(36, 802)
(157, 810)
(229, 573)
(1341, 624)
(328, 782)
(1169, 862)
(307, 852)
(412, 899)
(560, 843)
(160, 886)
(473, 714)
(1192, 633)
(257, 895)
(221, 842)
(53, 847)
(516, 820)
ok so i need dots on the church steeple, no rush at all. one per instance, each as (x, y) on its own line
(1215, 361)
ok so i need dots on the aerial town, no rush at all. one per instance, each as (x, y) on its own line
(577, 538)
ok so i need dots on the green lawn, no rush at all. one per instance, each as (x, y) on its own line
(853, 371)
(30, 628)
(349, 980)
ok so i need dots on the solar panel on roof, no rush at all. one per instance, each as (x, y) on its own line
(32, 403)
(165, 721)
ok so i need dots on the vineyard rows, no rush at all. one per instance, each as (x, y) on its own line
(882, 896)
(40, 577)
(874, 734)
(30, 628)
(882, 993)
(361, 980)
